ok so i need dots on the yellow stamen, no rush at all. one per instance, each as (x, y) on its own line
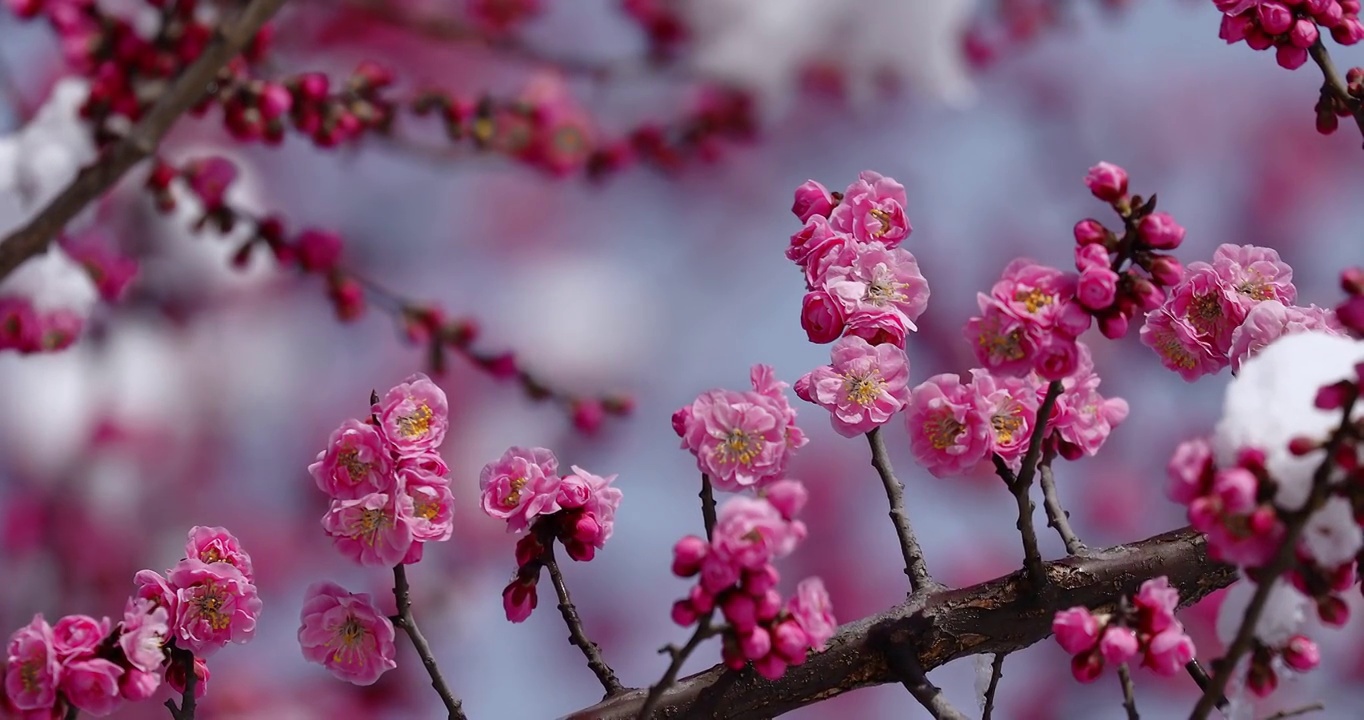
(417, 424)
(864, 389)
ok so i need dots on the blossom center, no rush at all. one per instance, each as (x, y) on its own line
(1033, 299)
(864, 389)
(210, 555)
(1002, 346)
(350, 460)
(1005, 426)
(209, 602)
(371, 521)
(883, 288)
(1169, 346)
(417, 424)
(882, 217)
(943, 430)
(348, 641)
(739, 446)
(28, 675)
(513, 498)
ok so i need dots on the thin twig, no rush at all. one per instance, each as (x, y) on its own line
(576, 634)
(403, 595)
(679, 656)
(1333, 84)
(1284, 559)
(905, 664)
(707, 496)
(1283, 714)
(1021, 483)
(996, 672)
(139, 144)
(1201, 679)
(1057, 517)
(1129, 700)
(915, 567)
(188, 702)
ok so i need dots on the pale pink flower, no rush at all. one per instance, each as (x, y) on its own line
(413, 415)
(825, 250)
(215, 605)
(593, 522)
(879, 327)
(877, 278)
(812, 200)
(152, 586)
(811, 609)
(947, 435)
(1270, 320)
(76, 635)
(32, 669)
(373, 530)
(740, 439)
(864, 387)
(92, 685)
(357, 462)
(216, 544)
(812, 239)
(1179, 347)
(146, 627)
(429, 462)
(1118, 644)
(765, 382)
(1007, 407)
(433, 506)
(1076, 629)
(787, 496)
(1255, 273)
(750, 532)
(1083, 418)
(519, 486)
(345, 633)
(1041, 296)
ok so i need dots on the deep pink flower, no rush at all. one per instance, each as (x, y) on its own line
(1300, 653)
(1179, 346)
(1160, 231)
(1209, 305)
(813, 241)
(1091, 256)
(597, 517)
(1118, 644)
(318, 250)
(433, 506)
(1084, 418)
(750, 532)
(152, 586)
(1090, 232)
(374, 530)
(787, 496)
(878, 327)
(864, 387)
(811, 609)
(821, 317)
(1168, 651)
(813, 200)
(519, 600)
(32, 669)
(146, 628)
(1007, 409)
(877, 278)
(357, 462)
(1041, 296)
(76, 635)
(1057, 357)
(519, 486)
(345, 633)
(137, 685)
(1156, 603)
(947, 435)
(215, 605)
(175, 677)
(1097, 287)
(1001, 342)
(92, 685)
(216, 544)
(1076, 630)
(873, 210)
(413, 415)
(1107, 181)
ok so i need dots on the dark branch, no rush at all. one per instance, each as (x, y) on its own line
(1284, 714)
(707, 496)
(402, 594)
(188, 701)
(679, 656)
(999, 616)
(1129, 700)
(576, 634)
(996, 672)
(1332, 83)
(1057, 517)
(93, 181)
(1021, 483)
(905, 664)
(915, 567)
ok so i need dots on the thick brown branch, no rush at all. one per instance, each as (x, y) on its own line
(93, 181)
(1002, 615)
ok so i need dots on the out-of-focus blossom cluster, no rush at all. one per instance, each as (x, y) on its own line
(1291, 27)
(1145, 627)
(92, 665)
(578, 509)
(735, 575)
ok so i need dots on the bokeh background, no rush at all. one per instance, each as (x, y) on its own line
(204, 396)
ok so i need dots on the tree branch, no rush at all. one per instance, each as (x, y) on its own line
(1057, 517)
(996, 672)
(915, 567)
(707, 496)
(576, 634)
(999, 616)
(679, 656)
(1021, 483)
(905, 664)
(188, 701)
(1129, 700)
(402, 594)
(1332, 83)
(93, 181)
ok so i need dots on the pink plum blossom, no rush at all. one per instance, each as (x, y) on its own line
(216, 544)
(1007, 408)
(215, 605)
(374, 530)
(345, 633)
(91, 684)
(876, 278)
(519, 486)
(1169, 651)
(1002, 342)
(433, 506)
(1083, 418)
(812, 610)
(1270, 320)
(413, 415)
(1118, 644)
(78, 635)
(152, 586)
(357, 462)
(864, 387)
(813, 200)
(519, 600)
(145, 629)
(594, 520)
(1255, 273)
(1076, 630)
(32, 669)
(1179, 346)
(873, 210)
(1107, 181)
(750, 532)
(821, 317)
(947, 435)
(878, 327)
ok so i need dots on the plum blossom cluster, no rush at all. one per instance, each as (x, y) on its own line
(1284, 461)
(389, 487)
(1145, 627)
(742, 439)
(953, 426)
(524, 488)
(860, 281)
(84, 664)
(863, 387)
(1228, 310)
(1291, 27)
(735, 575)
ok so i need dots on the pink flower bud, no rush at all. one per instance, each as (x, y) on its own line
(1118, 644)
(1333, 611)
(175, 677)
(1351, 314)
(1236, 489)
(1290, 57)
(1160, 231)
(683, 613)
(1301, 654)
(318, 251)
(1090, 232)
(1334, 396)
(588, 415)
(812, 199)
(313, 86)
(1097, 287)
(1113, 325)
(1304, 33)
(1148, 296)
(1107, 181)
(732, 656)
(740, 610)
(1086, 667)
(528, 550)
(771, 667)
(681, 419)
(688, 554)
(701, 601)
(756, 643)
(586, 529)
(275, 100)
(1167, 270)
(788, 497)
(758, 582)
(1275, 18)
(790, 641)
(1349, 32)
(1261, 680)
(519, 600)
(1352, 279)
(1264, 520)
(1076, 629)
(822, 317)
(1091, 256)
(769, 605)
